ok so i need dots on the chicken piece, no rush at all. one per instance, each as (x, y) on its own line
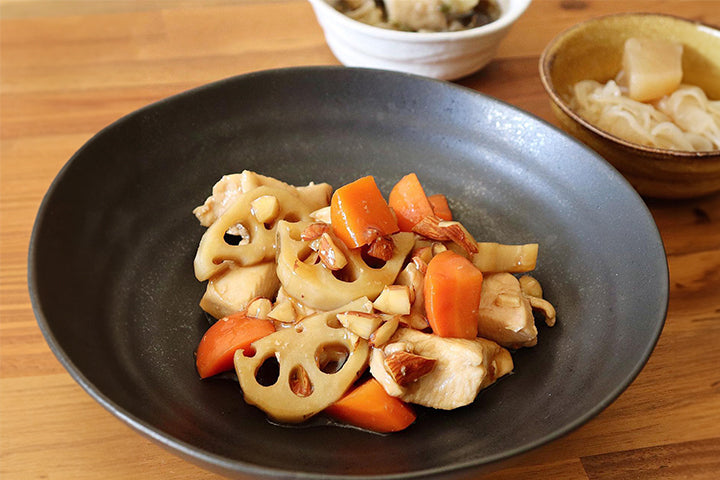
(231, 290)
(314, 195)
(505, 314)
(229, 188)
(224, 194)
(463, 367)
(434, 15)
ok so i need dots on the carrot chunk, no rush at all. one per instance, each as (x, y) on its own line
(217, 347)
(408, 200)
(359, 214)
(440, 206)
(370, 407)
(452, 295)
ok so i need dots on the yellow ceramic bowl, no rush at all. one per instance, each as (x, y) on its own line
(593, 50)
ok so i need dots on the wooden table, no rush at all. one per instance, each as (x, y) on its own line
(71, 67)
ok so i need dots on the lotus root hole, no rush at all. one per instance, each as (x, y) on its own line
(268, 372)
(331, 358)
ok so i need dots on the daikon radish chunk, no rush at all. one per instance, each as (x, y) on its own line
(653, 68)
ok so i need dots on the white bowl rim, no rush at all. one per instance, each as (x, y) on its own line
(507, 18)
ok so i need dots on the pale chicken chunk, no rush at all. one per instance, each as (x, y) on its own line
(231, 290)
(229, 188)
(463, 367)
(505, 314)
(224, 194)
(314, 195)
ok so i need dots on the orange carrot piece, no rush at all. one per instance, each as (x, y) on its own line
(452, 295)
(370, 407)
(408, 200)
(217, 347)
(359, 214)
(440, 206)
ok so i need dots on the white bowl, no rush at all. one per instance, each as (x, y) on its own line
(442, 55)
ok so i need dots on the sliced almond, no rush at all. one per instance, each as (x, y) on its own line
(265, 208)
(283, 312)
(406, 367)
(423, 253)
(420, 263)
(442, 230)
(300, 382)
(415, 320)
(314, 231)
(414, 278)
(394, 347)
(380, 373)
(259, 308)
(330, 254)
(459, 235)
(360, 323)
(381, 248)
(384, 332)
(394, 299)
(321, 215)
(429, 227)
(438, 247)
(371, 234)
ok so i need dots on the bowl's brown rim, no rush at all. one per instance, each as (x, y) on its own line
(548, 55)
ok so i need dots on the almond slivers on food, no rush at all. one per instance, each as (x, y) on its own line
(406, 367)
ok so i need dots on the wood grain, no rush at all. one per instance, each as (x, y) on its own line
(69, 68)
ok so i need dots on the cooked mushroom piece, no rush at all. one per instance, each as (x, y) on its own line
(506, 312)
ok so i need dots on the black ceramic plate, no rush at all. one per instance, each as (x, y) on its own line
(111, 278)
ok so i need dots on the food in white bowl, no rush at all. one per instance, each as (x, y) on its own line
(445, 55)
(421, 15)
(366, 306)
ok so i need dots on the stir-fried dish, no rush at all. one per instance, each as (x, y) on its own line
(421, 15)
(343, 303)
